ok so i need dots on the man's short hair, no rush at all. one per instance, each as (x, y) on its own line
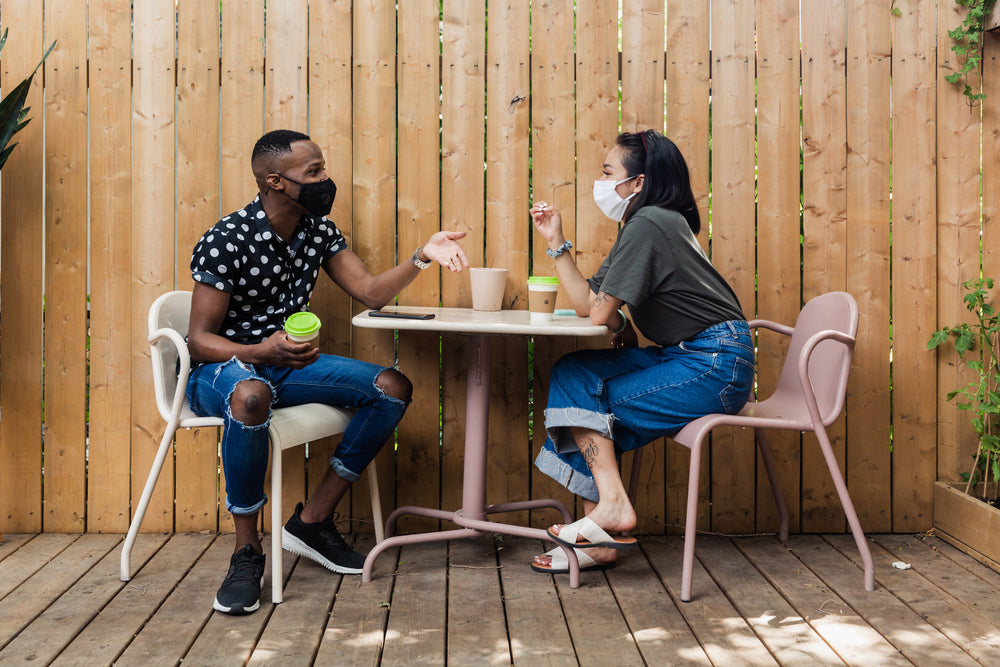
(275, 143)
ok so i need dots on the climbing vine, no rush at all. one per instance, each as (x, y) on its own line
(968, 45)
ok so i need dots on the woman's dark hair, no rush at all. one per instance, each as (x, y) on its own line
(667, 183)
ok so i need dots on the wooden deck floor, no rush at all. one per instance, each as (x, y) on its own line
(756, 602)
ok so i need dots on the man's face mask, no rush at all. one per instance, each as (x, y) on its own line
(316, 197)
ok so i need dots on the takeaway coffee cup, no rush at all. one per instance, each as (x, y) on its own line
(542, 292)
(487, 288)
(302, 327)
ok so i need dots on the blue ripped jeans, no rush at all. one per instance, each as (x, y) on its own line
(332, 380)
(635, 395)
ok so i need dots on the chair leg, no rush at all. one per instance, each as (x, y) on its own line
(277, 570)
(845, 501)
(772, 475)
(147, 493)
(376, 503)
(691, 521)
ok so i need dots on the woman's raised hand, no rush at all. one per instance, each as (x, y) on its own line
(548, 222)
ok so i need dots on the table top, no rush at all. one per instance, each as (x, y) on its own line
(467, 320)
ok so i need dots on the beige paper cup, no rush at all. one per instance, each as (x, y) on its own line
(487, 288)
(302, 327)
(542, 291)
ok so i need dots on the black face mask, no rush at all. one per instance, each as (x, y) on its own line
(316, 197)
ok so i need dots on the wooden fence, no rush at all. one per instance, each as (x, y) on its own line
(816, 169)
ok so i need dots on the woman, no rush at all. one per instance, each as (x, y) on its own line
(605, 402)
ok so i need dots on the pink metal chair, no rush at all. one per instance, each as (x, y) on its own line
(810, 395)
(289, 427)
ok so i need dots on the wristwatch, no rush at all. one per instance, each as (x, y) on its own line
(415, 258)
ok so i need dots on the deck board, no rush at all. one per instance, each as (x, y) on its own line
(756, 601)
(854, 640)
(112, 629)
(918, 640)
(724, 634)
(785, 634)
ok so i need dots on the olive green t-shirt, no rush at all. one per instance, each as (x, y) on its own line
(659, 269)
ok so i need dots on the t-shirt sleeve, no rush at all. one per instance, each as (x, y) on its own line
(638, 262)
(216, 261)
(335, 241)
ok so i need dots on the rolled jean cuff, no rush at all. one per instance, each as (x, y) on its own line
(577, 483)
(556, 419)
(242, 511)
(342, 471)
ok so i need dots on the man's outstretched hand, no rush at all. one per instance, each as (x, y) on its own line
(443, 249)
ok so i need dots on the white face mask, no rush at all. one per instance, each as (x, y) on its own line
(608, 200)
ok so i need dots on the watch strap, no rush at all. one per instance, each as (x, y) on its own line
(415, 258)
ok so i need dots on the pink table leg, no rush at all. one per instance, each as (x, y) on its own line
(472, 517)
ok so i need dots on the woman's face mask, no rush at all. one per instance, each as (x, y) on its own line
(315, 197)
(608, 199)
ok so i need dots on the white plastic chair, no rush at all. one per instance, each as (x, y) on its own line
(289, 427)
(810, 395)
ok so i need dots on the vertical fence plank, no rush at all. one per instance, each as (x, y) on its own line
(197, 452)
(21, 248)
(597, 104)
(375, 173)
(991, 167)
(110, 275)
(642, 65)
(779, 278)
(688, 93)
(990, 202)
(419, 212)
(553, 177)
(285, 107)
(153, 72)
(642, 82)
(913, 260)
(66, 272)
(733, 194)
(990, 229)
(990, 174)
(463, 87)
(507, 236)
(330, 116)
(868, 72)
(958, 251)
(241, 124)
(824, 187)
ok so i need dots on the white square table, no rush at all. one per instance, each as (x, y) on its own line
(472, 518)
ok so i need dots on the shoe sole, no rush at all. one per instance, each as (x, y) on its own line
(236, 611)
(296, 546)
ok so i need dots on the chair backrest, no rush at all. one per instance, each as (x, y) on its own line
(171, 311)
(830, 363)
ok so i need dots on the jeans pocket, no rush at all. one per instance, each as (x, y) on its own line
(737, 391)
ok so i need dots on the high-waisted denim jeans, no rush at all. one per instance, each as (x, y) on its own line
(635, 395)
(331, 380)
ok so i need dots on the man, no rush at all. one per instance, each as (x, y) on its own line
(252, 270)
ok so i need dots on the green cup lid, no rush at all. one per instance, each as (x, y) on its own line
(543, 280)
(301, 324)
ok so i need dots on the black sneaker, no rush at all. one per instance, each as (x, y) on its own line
(322, 543)
(240, 591)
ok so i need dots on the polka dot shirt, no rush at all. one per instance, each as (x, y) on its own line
(267, 278)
